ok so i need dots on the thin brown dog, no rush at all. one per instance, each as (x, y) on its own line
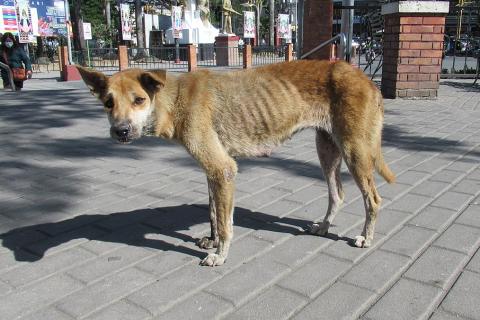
(220, 116)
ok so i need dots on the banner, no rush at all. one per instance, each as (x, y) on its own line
(8, 19)
(283, 26)
(249, 24)
(177, 21)
(126, 22)
(24, 19)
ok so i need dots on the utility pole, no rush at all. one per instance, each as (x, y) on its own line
(272, 22)
(69, 43)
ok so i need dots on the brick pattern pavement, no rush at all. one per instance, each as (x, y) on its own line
(95, 230)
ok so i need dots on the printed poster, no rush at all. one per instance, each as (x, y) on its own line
(249, 24)
(283, 26)
(8, 19)
(177, 21)
(24, 19)
(126, 22)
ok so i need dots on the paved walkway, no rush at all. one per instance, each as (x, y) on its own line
(95, 230)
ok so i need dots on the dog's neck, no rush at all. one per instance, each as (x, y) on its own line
(164, 113)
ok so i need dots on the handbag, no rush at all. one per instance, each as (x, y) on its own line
(19, 74)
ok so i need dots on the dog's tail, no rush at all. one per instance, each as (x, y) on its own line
(383, 169)
(380, 164)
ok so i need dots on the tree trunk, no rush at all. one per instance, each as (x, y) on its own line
(139, 22)
(77, 20)
(258, 7)
(272, 22)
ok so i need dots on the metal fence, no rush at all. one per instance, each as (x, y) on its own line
(169, 58)
(105, 59)
(262, 55)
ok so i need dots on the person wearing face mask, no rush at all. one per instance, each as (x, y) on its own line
(15, 57)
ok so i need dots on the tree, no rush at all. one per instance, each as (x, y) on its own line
(139, 23)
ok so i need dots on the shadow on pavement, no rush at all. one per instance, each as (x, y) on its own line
(173, 224)
(463, 85)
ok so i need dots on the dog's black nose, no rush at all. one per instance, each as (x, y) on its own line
(122, 132)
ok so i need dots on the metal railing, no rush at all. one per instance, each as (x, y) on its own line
(339, 37)
(158, 58)
(10, 75)
(104, 59)
(262, 55)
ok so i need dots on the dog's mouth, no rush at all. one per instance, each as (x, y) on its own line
(124, 140)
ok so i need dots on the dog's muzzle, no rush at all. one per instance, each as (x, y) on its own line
(122, 132)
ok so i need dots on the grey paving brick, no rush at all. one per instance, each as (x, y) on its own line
(464, 297)
(356, 207)
(430, 188)
(261, 199)
(313, 210)
(295, 184)
(199, 306)
(393, 191)
(470, 216)
(452, 200)
(315, 275)
(389, 220)
(437, 267)
(442, 315)
(460, 238)
(65, 241)
(468, 186)
(34, 271)
(165, 262)
(248, 280)
(308, 194)
(412, 177)
(432, 165)
(20, 239)
(121, 310)
(5, 288)
(297, 249)
(50, 313)
(409, 241)
(281, 208)
(448, 176)
(343, 247)
(434, 218)
(474, 264)
(411, 203)
(377, 271)
(341, 301)
(464, 164)
(406, 300)
(173, 288)
(23, 302)
(112, 262)
(104, 292)
(274, 303)
(258, 185)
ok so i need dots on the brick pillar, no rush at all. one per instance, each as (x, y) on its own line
(68, 72)
(413, 47)
(63, 57)
(122, 58)
(317, 27)
(192, 57)
(247, 56)
(289, 52)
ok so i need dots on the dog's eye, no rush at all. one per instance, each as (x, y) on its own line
(109, 104)
(139, 100)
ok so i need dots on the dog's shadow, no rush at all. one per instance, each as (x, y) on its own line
(166, 229)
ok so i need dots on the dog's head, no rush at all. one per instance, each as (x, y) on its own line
(128, 99)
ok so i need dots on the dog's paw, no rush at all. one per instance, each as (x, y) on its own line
(207, 243)
(319, 228)
(212, 260)
(361, 242)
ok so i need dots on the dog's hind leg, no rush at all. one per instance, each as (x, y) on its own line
(331, 161)
(212, 241)
(361, 166)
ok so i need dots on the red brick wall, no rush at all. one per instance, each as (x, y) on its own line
(317, 27)
(413, 48)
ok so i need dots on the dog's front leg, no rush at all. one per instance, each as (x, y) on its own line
(222, 188)
(212, 241)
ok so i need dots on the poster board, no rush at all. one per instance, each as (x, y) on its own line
(249, 24)
(126, 21)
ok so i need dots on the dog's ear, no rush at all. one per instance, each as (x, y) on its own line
(154, 80)
(97, 82)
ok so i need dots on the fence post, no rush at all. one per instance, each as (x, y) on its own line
(122, 58)
(192, 57)
(63, 57)
(289, 52)
(247, 56)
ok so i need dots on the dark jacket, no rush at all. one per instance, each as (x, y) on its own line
(17, 58)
